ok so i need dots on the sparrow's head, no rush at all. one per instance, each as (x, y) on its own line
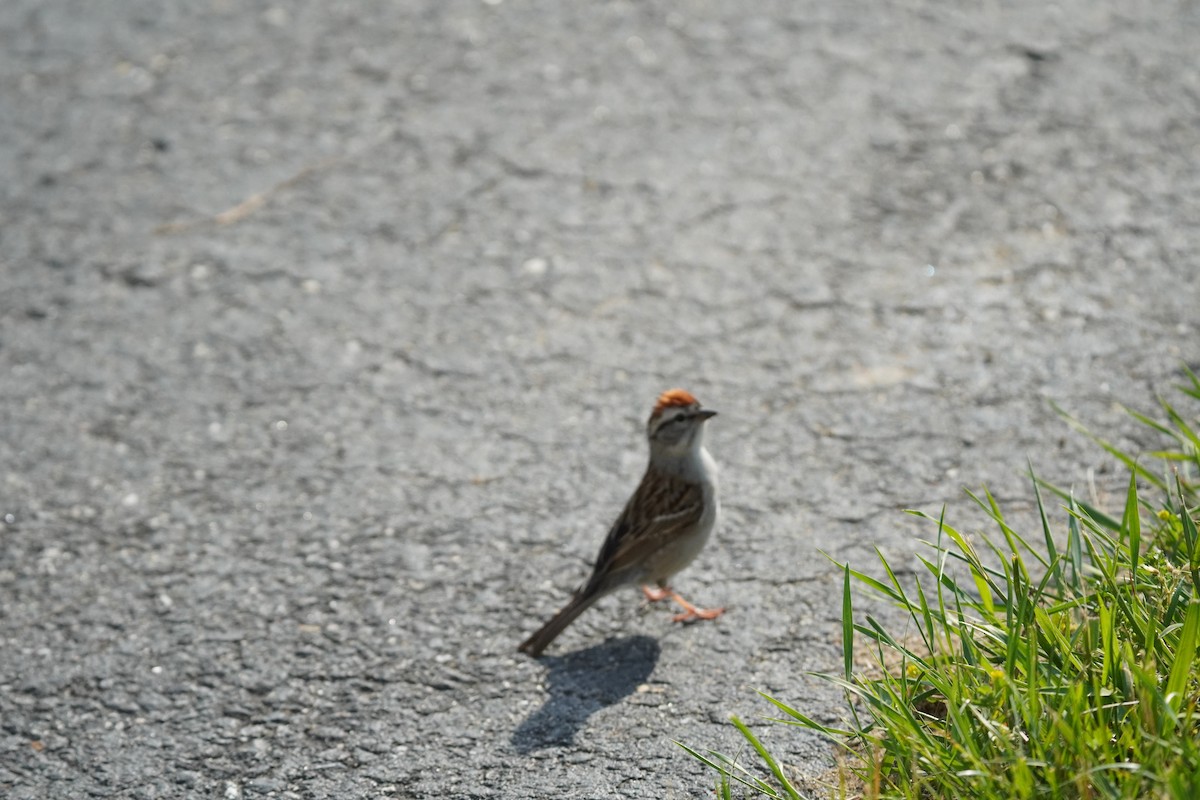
(676, 421)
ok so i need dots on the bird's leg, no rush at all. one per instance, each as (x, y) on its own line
(690, 612)
(654, 595)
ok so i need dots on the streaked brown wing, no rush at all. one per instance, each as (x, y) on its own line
(659, 511)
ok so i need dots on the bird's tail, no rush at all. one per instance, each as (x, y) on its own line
(538, 642)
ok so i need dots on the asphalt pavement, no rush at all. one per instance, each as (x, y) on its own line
(328, 331)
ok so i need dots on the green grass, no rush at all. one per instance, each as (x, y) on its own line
(1028, 669)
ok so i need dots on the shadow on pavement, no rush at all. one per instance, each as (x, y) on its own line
(583, 682)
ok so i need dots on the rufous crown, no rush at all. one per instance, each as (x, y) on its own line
(672, 398)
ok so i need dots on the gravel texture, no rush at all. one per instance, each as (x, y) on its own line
(328, 330)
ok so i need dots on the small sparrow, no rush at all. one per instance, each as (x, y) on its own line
(664, 525)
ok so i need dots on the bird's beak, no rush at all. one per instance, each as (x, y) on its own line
(704, 413)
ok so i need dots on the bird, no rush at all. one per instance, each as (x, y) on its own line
(664, 525)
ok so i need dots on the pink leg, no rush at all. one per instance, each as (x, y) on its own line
(654, 595)
(691, 613)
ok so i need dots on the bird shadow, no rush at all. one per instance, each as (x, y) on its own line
(581, 683)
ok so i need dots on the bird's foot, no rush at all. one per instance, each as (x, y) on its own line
(654, 595)
(692, 614)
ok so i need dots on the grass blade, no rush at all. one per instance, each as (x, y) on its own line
(1185, 655)
(766, 756)
(1131, 523)
(847, 624)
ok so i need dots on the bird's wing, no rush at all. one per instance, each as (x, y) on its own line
(660, 510)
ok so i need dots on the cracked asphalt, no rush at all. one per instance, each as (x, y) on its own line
(328, 331)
